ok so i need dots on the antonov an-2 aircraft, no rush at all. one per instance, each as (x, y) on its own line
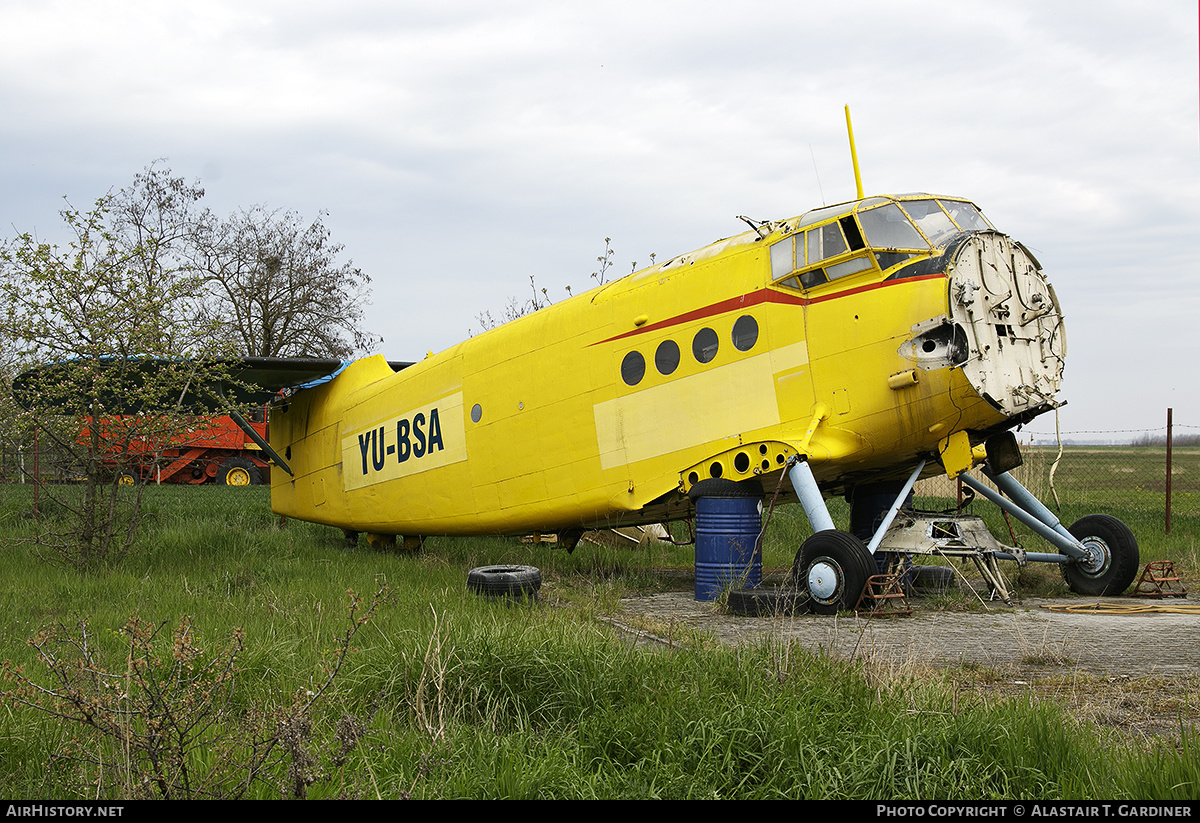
(860, 346)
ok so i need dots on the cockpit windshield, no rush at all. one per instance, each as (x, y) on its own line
(893, 230)
(965, 215)
(888, 226)
(931, 220)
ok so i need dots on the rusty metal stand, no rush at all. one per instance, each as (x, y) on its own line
(883, 596)
(1158, 580)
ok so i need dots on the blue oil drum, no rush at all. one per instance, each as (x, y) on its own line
(868, 506)
(728, 520)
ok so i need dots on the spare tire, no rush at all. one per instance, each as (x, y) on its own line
(724, 489)
(933, 579)
(770, 602)
(505, 581)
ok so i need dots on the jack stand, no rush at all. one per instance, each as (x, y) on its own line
(883, 597)
(1158, 580)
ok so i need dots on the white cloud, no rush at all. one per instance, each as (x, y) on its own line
(464, 146)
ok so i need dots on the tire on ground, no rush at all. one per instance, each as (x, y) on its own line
(768, 602)
(505, 581)
(932, 579)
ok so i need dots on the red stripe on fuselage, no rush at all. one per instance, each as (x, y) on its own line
(759, 297)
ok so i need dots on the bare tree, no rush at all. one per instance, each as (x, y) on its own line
(274, 284)
(278, 287)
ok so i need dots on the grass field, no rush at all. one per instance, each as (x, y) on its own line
(445, 694)
(1124, 477)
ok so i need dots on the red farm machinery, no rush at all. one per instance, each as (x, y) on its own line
(208, 450)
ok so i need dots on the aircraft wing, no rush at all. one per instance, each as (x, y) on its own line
(251, 380)
(261, 376)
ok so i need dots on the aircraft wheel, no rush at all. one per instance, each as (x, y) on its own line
(832, 567)
(238, 471)
(773, 602)
(1112, 560)
(505, 581)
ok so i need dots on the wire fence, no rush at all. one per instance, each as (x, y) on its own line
(1159, 483)
(21, 462)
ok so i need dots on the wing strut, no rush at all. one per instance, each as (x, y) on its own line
(257, 438)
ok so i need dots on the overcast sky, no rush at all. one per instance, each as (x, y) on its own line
(460, 148)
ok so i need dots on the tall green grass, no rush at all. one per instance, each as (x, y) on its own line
(450, 695)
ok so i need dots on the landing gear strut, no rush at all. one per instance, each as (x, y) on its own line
(1098, 554)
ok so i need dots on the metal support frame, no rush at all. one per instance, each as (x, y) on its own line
(883, 596)
(886, 523)
(1058, 537)
(1024, 498)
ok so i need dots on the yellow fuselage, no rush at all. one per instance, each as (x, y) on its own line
(605, 408)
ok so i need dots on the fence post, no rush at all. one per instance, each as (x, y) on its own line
(1168, 531)
(37, 471)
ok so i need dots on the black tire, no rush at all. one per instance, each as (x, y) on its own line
(832, 567)
(772, 602)
(505, 581)
(726, 489)
(239, 471)
(933, 579)
(1113, 556)
(127, 478)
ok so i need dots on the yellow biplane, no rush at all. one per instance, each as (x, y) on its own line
(852, 350)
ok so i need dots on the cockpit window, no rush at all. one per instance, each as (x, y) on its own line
(965, 215)
(806, 251)
(783, 258)
(931, 220)
(887, 227)
(826, 241)
(893, 231)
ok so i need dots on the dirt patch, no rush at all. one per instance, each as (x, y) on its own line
(1135, 672)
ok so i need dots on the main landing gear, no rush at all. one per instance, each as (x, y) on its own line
(1098, 554)
(833, 567)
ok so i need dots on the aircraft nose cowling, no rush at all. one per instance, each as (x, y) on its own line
(1017, 344)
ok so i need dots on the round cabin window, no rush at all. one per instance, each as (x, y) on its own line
(666, 357)
(633, 368)
(745, 333)
(704, 345)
